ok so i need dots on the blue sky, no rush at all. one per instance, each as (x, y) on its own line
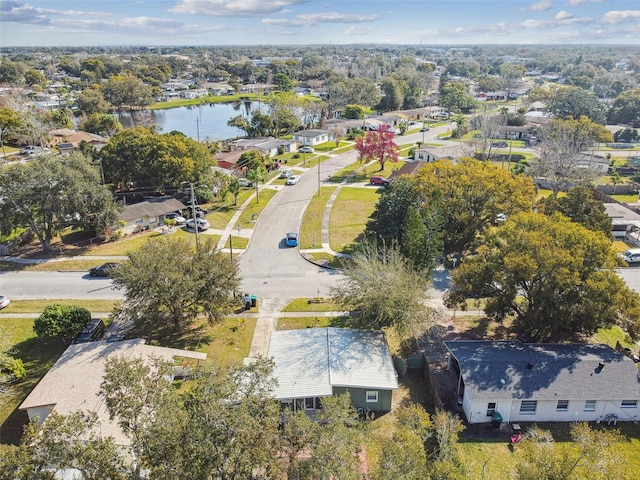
(301, 22)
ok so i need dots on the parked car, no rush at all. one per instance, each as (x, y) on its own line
(180, 220)
(376, 180)
(245, 183)
(4, 301)
(102, 270)
(424, 129)
(286, 174)
(291, 240)
(306, 150)
(201, 222)
(92, 332)
(293, 179)
(632, 256)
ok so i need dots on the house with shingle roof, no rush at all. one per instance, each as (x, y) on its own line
(73, 383)
(148, 214)
(313, 363)
(535, 382)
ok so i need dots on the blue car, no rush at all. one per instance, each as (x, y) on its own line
(291, 239)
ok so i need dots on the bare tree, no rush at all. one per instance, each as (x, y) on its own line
(488, 124)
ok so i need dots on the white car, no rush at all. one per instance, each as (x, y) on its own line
(245, 183)
(306, 150)
(201, 222)
(286, 174)
(293, 179)
(4, 301)
(180, 220)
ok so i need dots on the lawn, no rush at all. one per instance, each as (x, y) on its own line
(311, 228)
(37, 306)
(349, 216)
(305, 305)
(297, 323)
(38, 356)
(253, 209)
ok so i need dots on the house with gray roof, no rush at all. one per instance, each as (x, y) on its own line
(73, 383)
(313, 363)
(148, 214)
(533, 382)
(447, 152)
(313, 137)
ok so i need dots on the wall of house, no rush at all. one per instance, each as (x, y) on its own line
(358, 398)
(40, 412)
(546, 411)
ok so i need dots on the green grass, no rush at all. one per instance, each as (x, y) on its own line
(37, 306)
(204, 100)
(38, 356)
(631, 198)
(349, 216)
(311, 228)
(323, 258)
(255, 208)
(298, 323)
(303, 305)
(610, 336)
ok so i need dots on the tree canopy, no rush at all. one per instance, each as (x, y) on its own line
(53, 193)
(144, 158)
(378, 145)
(580, 206)
(170, 280)
(553, 275)
(63, 321)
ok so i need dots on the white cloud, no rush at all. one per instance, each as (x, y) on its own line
(358, 30)
(334, 17)
(541, 6)
(562, 15)
(619, 16)
(234, 8)
(573, 3)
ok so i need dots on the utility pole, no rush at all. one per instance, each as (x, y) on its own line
(318, 177)
(194, 217)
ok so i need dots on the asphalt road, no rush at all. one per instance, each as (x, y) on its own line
(55, 285)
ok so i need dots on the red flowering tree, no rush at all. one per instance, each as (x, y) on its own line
(378, 145)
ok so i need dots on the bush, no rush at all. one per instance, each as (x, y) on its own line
(61, 321)
(13, 367)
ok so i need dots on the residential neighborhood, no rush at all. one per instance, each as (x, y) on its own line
(374, 260)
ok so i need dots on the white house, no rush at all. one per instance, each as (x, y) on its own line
(529, 382)
(312, 363)
(312, 137)
(148, 214)
(433, 154)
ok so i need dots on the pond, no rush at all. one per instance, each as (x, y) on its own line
(200, 122)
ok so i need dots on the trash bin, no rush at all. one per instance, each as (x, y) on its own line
(254, 301)
(496, 420)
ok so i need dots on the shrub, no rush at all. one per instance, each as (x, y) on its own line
(61, 321)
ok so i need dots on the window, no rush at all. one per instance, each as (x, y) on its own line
(491, 407)
(562, 406)
(528, 407)
(590, 406)
(629, 404)
(372, 396)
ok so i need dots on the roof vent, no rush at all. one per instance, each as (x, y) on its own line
(529, 365)
(600, 367)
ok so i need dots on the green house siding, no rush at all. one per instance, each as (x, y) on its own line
(359, 398)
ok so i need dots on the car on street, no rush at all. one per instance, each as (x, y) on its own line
(293, 179)
(291, 240)
(103, 270)
(4, 301)
(201, 222)
(424, 129)
(377, 180)
(180, 220)
(631, 256)
(286, 174)
(306, 150)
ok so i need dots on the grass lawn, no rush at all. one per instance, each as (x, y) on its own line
(324, 259)
(255, 208)
(304, 305)
(349, 216)
(311, 228)
(609, 336)
(38, 356)
(631, 198)
(373, 168)
(298, 323)
(37, 306)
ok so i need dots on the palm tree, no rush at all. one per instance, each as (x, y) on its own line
(615, 180)
(257, 175)
(233, 187)
(461, 123)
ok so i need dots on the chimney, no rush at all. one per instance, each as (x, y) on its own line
(529, 365)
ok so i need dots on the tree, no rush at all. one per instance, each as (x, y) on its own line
(71, 441)
(101, 123)
(593, 450)
(257, 175)
(413, 222)
(10, 122)
(354, 112)
(393, 95)
(168, 280)
(233, 187)
(489, 125)
(577, 102)
(282, 82)
(384, 288)
(378, 145)
(473, 194)
(552, 275)
(148, 159)
(134, 392)
(626, 108)
(61, 321)
(91, 100)
(564, 146)
(53, 193)
(127, 90)
(581, 207)
(627, 135)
